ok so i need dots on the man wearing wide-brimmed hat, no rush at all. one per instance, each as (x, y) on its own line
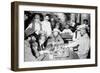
(55, 38)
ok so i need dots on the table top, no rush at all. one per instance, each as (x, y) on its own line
(60, 54)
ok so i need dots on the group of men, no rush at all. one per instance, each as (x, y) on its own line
(44, 35)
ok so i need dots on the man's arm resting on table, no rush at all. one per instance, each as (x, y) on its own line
(71, 45)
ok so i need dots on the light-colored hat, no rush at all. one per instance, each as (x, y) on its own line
(83, 26)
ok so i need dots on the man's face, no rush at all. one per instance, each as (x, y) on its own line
(37, 18)
(52, 19)
(25, 17)
(67, 26)
(85, 22)
(42, 39)
(55, 33)
(46, 17)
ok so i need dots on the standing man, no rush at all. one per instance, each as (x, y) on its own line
(34, 26)
(46, 26)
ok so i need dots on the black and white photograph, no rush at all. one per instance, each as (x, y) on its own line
(53, 36)
(56, 36)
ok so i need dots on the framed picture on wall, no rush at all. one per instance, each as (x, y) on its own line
(52, 36)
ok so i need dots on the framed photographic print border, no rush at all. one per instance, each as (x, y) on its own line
(15, 34)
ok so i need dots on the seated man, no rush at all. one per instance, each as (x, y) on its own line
(31, 50)
(55, 38)
(42, 40)
(83, 43)
(76, 34)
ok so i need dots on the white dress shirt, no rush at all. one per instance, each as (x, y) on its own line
(37, 28)
(46, 27)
